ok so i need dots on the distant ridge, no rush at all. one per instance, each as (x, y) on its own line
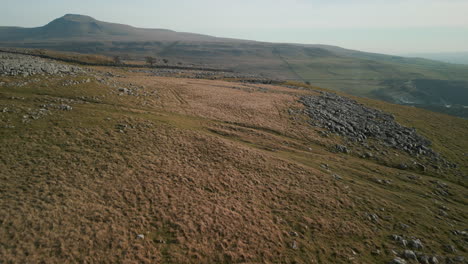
(80, 27)
(460, 57)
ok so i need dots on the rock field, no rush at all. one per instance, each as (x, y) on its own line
(356, 122)
(15, 64)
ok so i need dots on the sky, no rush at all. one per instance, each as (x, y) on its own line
(383, 26)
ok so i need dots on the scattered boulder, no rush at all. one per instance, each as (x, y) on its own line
(450, 248)
(295, 234)
(400, 239)
(65, 107)
(425, 259)
(325, 166)
(403, 226)
(294, 244)
(384, 182)
(337, 177)
(367, 155)
(121, 127)
(433, 260)
(415, 244)
(341, 148)
(123, 90)
(397, 237)
(397, 261)
(409, 255)
(372, 217)
(460, 233)
(412, 177)
(402, 166)
(455, 260)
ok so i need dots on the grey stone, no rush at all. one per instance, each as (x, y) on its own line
(450, 248)
(294, 245)
(341, 148)
(402, 166)
(433, 260)
(409, 254)
(403, 226)
(337, 177)
(65, 107)
(294, 234)
(404, 242)
(372, 217)
(356, 122)
(460, 233)
(415, 244)
(124, 90)
(397, 261)
(423, 259)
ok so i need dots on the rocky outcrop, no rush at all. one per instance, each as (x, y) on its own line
(16, 64)
(356, 122)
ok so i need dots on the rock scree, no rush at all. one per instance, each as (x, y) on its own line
(16, 64)
(356, 122)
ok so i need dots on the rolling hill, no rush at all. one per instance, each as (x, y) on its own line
(360, 73)
(120, 165)
(450, 57)
(79, 27)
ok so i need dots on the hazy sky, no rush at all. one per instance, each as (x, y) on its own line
(385, 26)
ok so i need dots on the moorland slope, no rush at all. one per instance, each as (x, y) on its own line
(116, 165)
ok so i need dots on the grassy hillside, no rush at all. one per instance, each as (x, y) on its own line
(363, 74)
(450, 57)
(201, 171)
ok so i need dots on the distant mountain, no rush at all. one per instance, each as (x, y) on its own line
(79, 27)
(403, 80)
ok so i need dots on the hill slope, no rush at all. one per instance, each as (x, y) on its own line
(112, 165)
(451, 57)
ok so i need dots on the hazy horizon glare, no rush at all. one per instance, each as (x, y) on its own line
(392, 27)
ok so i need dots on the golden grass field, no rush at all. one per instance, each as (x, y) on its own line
(209, 172)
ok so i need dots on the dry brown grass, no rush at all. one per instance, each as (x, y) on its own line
(209, 172)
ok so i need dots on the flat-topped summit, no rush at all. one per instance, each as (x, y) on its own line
(77, 18)
(86, 28)
(72, 25)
